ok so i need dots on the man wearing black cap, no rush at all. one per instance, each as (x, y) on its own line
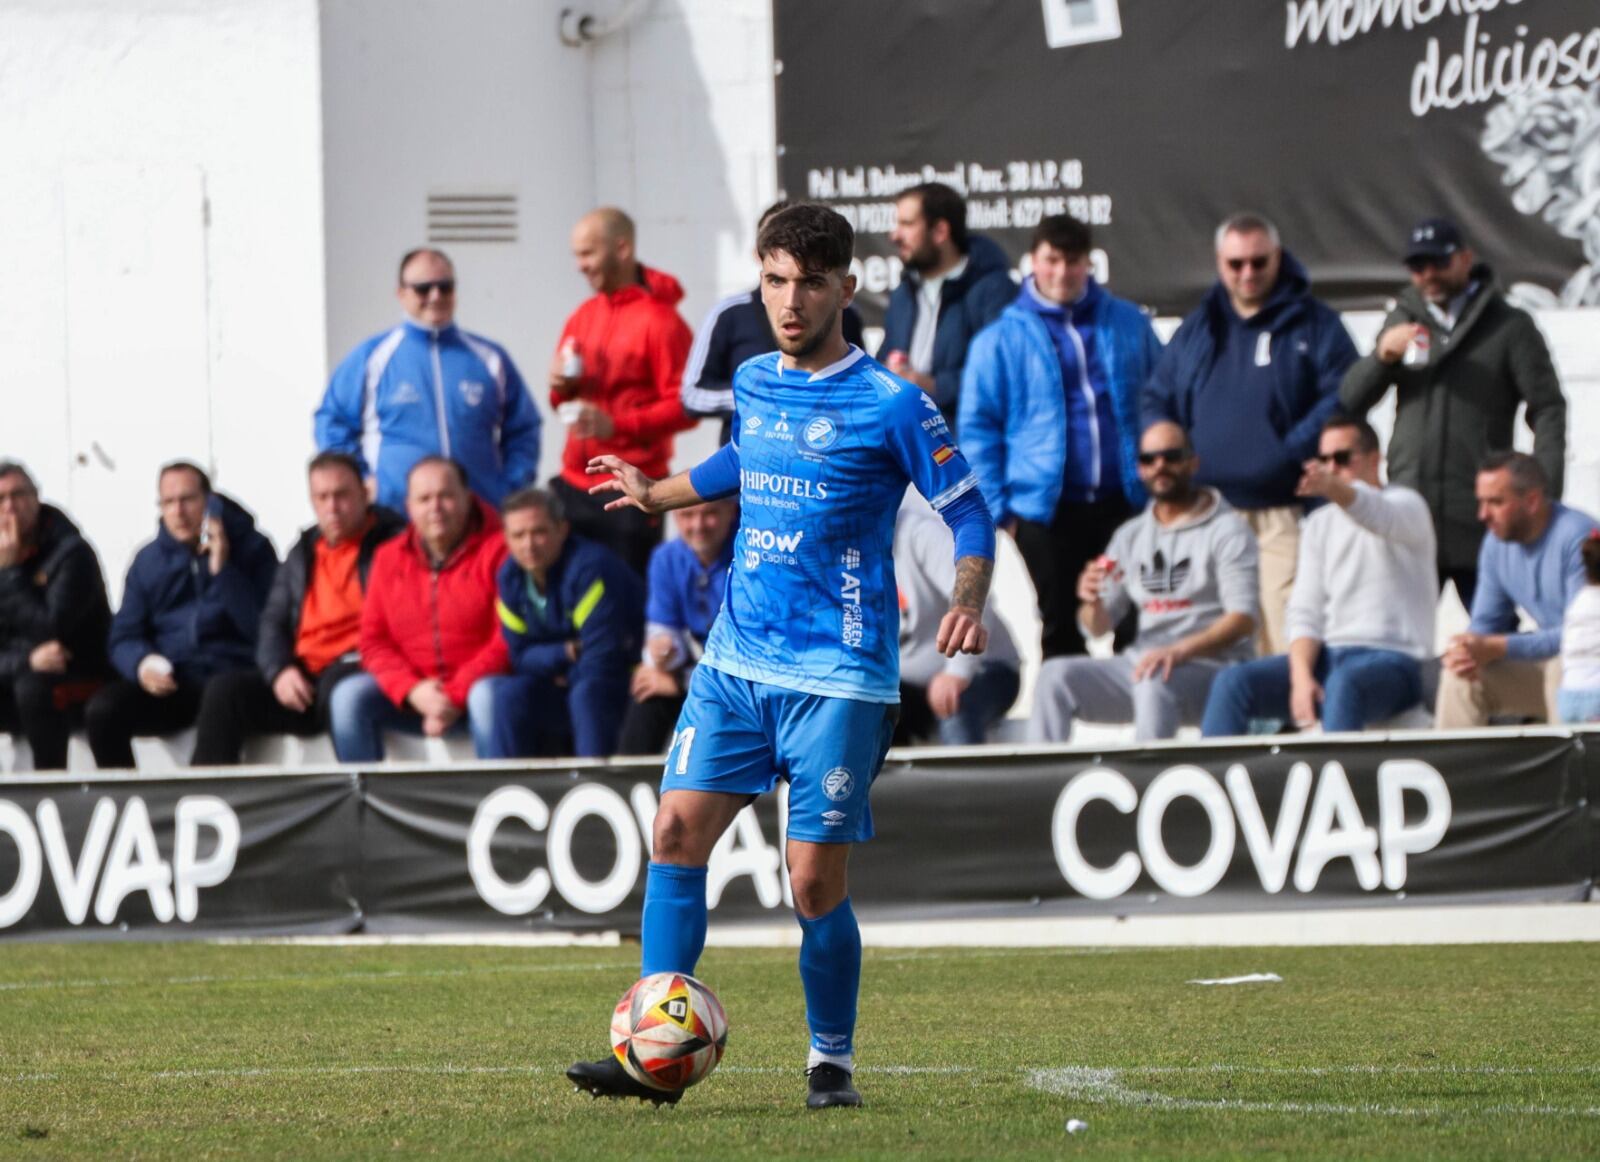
(1461, 360)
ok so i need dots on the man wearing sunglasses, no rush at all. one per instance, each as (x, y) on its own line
(1187, 566)
(1251, 375)
(1360, 619)
(428, 388)
(1461, 360)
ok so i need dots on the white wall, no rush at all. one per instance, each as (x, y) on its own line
(162, 193)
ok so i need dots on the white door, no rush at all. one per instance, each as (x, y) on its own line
(137, 349)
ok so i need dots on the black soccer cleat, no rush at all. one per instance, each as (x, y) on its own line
(607, 1078)
(830, 1086)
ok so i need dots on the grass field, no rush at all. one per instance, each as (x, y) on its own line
(199, 1051)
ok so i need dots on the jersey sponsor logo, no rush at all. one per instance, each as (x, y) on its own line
(471, 391)
(838, 784)
(820, 432)
(773, 548)
(780, 485)
(852, 629)
(942, 454)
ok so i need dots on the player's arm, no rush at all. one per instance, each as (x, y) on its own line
(712, 479)
(961, 631)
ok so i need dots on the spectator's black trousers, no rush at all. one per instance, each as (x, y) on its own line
(122, 709)
(240, 705)
(43, 708)
(647, 729)
(627, 532)
(1056, 554)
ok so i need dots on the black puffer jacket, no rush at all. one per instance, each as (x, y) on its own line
(280, 620)
(57, 594)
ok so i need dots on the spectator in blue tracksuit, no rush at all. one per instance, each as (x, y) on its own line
(1049, 420)
(688, 577)
(955, 285)
(191, 607)
(1251, 375)
(429, 388)
(571, 613)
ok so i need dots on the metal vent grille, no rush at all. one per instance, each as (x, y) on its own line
(472, 217)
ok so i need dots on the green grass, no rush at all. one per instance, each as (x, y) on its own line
(197, 1051)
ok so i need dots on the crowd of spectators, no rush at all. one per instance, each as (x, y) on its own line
(1217, 505)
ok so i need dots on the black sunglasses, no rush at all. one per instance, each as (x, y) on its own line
(423, 290)
(1164, 456)
(1259, 262)
(1423, 262)
(1341, 457)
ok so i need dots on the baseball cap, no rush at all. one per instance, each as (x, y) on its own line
(1433, 238)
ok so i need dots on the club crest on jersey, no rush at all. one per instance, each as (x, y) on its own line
(471, 391)
(820, 432)
(838, 784)
(942, 454)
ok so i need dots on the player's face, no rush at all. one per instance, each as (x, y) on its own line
(1059, 277)
(1248, 266)
(535, 539)
(704, 528)
(438, 506)
(183, 505)
(1508, 514)
(803, 306)
(428, 290)
(340, 502)
(1440, 280)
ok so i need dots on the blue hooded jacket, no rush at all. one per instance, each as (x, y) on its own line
(413, 392)
(591, 597)
(1302, 350)
(966, 306)
(1014, 425)
(173, 606)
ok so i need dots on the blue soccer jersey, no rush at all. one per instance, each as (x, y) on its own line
(824, 460)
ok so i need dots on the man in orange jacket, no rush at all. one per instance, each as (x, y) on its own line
(429, 633)
(615, 380)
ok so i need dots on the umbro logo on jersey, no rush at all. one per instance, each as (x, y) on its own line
(1157, 577)
(406, 393)
(753, 423)
(833, 818)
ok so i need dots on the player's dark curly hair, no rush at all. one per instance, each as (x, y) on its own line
(817, 238)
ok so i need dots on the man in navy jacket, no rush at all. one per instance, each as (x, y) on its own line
(191, 607)
(571, 612)
(955, 284)
(1251, 375)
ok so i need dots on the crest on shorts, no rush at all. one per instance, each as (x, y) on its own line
(838, 784)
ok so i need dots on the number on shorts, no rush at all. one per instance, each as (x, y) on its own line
(682, 742)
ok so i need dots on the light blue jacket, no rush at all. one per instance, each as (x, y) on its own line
(1013, 418)
(412, 392)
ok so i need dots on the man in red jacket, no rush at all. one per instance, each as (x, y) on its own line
(615, 380)
(428, 628)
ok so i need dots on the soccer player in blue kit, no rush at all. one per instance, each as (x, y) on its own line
(800, 675)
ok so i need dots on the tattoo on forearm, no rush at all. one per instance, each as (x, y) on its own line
(972, 582)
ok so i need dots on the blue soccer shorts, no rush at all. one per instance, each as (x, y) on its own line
(740, 737)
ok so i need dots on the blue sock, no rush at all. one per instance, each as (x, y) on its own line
(830, 971)
(673, 931)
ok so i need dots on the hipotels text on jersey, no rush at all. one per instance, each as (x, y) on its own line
(781, 485)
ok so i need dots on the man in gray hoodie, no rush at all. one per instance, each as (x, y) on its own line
(1188, 565)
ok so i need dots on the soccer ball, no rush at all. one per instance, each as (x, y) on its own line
(669, 1031)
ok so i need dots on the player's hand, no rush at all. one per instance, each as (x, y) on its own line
(1392, 344)
(624, 478)
(944, 694)
(1158, 662)
(155, 676)
(49, 658)
(1305, 695)
(648, 682)
(292, 690)
(592, 423)
(961, 632)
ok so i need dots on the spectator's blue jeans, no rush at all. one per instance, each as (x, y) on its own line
(1578, 705)
(1360, 686)
(359, 712)
(983, 703)
(533, 717)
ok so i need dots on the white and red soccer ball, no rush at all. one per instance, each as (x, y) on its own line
(669, 1031)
